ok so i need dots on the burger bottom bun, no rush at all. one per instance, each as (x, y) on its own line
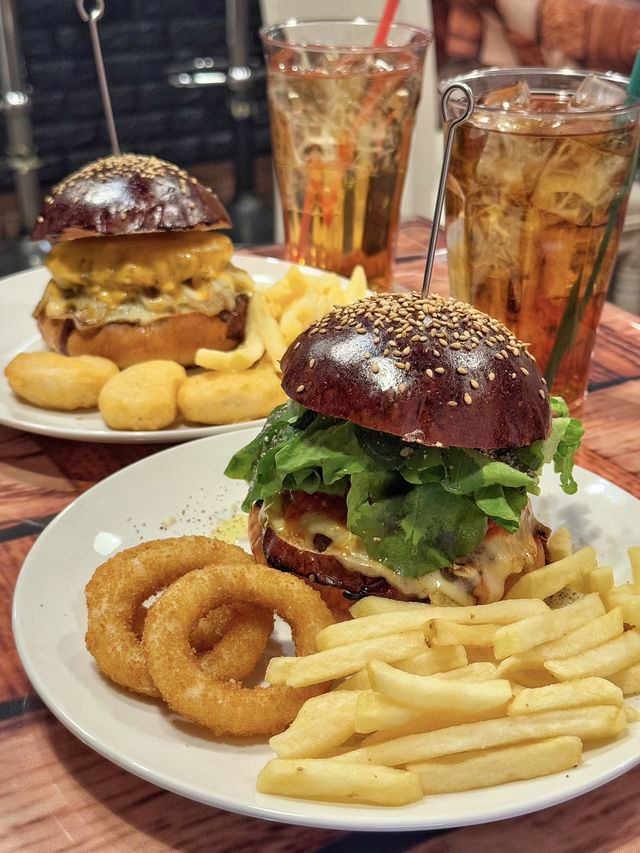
(175, 338)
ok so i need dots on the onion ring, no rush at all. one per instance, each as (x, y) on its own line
(119, 587)
(226, 707)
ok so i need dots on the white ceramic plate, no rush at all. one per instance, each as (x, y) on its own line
(181, 491)
(19, 295)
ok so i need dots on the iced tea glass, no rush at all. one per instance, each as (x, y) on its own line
(342, 114)
(535, 202)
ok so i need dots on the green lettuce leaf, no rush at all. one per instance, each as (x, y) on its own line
(416, 508)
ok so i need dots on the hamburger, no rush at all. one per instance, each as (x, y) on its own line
(402, 464)
(139, 268)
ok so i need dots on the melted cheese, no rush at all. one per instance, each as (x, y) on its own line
(139, 278)
(482, 578)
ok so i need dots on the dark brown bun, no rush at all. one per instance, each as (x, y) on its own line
(430, 370)
(128, 194)
(168, 337)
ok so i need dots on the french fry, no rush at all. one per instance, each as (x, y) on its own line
(569, 694)
(600, 579)
(437, 660)
(326, 779)
(444, 632)
(587, 636)
(482, 768)
(498, 612)
(376, 711)
(323, 723)
(246, 353)
(524, 635)
(358, 681)
(550, 579)
(627, 679)
(587, 723)
(603, 660)
(626, 597)
(559, 545)
(343, 660)
(433, 693)
(476, 671)
(356, 630)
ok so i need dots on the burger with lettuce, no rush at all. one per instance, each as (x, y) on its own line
(403, 462)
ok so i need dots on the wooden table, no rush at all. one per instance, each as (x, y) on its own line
(57, 794)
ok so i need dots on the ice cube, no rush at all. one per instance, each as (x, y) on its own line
(512, 161)
(595, 93)
(516, 98)
(579, 182)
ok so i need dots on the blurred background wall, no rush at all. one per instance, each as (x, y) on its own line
(144, 43)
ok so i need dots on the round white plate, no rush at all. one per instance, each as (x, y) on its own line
(181, 491)
(19, 295)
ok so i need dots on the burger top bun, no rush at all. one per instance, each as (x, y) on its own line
(431, 370)
(127, 194)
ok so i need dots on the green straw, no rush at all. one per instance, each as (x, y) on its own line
(633, 89)
(576, 305)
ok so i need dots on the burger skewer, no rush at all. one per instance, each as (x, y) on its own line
(92, 19)
(454, 123)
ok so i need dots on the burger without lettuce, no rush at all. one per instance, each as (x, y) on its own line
(402, 464)
(138, 267)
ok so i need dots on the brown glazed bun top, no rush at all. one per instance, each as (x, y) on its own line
(127, 194)
(428, 369)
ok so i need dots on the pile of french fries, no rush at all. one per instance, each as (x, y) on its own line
(433, 699)
(279, 313)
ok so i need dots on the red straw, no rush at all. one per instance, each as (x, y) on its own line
(389, 13)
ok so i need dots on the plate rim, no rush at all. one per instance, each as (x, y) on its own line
(279, 809)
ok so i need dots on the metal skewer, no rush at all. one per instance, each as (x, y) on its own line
(454, 122)
(92, 18)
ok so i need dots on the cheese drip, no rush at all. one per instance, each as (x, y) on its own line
(479, 577)
(139, 278)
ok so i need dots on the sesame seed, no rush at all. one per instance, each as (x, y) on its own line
(452, 403)
(492, 376)
(374, 368)
(524, 370)
(429, 372)
(402, 387)
(299, 389)
(541, 392)
(439, 369)
(474, 384)
(461, 370)
(467, 399)
(312, 361)
(296, 345)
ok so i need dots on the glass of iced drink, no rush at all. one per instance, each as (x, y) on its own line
(342, 113)
(536, 196)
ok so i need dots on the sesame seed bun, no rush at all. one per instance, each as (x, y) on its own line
(127, 194)
(430, 370)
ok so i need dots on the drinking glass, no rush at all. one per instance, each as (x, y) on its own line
(342, 113)
(536, 196)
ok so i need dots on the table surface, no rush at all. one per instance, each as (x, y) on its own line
(57, 794)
